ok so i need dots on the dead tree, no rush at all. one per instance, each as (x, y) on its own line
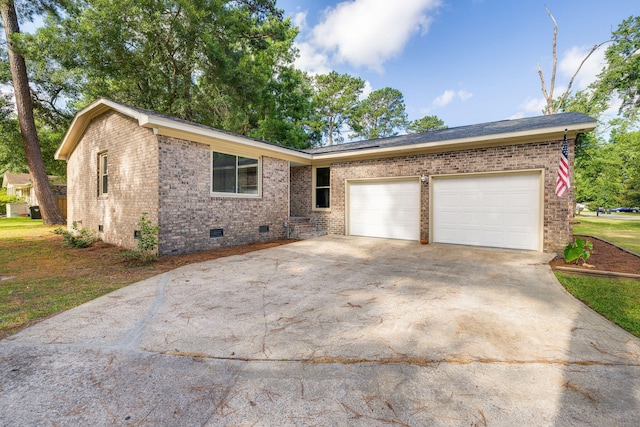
(550, 108)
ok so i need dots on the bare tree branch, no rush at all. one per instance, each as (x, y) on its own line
(544, 86)
(566, 92)
(548, 94)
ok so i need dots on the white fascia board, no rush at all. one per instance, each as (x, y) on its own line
(82, 119)
(161, 123)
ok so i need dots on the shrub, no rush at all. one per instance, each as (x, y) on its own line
(147, 242)
(577, 251)
(75, 238)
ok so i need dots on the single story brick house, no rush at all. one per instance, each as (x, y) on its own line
(490, 184)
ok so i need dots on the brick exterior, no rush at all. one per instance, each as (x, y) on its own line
(133, 178)
(187, 212)
(557, 211)
(182, 205)
(169, 178)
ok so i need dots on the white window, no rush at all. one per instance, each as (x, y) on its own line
(103, 174)
(322, 188)
(233, 174)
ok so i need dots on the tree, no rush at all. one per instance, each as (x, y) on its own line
(609, 173)
(287, 109)
(426, 124)
(50, 212)
(600, 181)
(222, 63)
(380, 115)
(553, 105)
(626, 147)
(11, 149)
(336, 97)
(621, 75)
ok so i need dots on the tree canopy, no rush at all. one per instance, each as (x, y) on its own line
(426, 124)
(222, 63)
(621, 76)
(336, 98)
(380, 115)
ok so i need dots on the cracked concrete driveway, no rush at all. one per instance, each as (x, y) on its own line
(329, 331)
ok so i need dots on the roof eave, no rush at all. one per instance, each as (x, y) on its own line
(167, 127)
(84, 117)
(510, 138)
(164, 126)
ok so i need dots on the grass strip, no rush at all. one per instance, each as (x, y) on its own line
(616, 299)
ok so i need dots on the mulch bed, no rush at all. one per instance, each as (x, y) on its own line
(605, 257)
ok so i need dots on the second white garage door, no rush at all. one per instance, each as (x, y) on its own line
(501, 210)
(389, 209)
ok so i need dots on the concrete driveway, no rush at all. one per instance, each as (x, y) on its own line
(329, 331)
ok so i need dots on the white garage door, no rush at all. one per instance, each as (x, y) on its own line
(389, 209)
(491, 210)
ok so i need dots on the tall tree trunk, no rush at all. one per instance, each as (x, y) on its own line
(50, 212)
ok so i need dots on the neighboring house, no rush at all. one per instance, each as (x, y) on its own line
(490, 184)
(19, 185)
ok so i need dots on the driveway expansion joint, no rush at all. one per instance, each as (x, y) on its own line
(405, 361)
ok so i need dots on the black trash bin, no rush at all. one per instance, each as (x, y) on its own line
(34, 212)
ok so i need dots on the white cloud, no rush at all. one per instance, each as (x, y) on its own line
(571, 60)
(464, 95)
(311, 60)
(367, 33)
(533, 105)
(449, 96)
(366, 90)
(300, 20)
(444, 99)
(515, 116)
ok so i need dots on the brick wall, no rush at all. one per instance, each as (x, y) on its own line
(133, 178)
(302, 201)
(557, 212)
(187, 212)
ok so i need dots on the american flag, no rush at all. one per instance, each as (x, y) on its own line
(562, 181)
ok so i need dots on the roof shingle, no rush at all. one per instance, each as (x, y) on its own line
(470, 131)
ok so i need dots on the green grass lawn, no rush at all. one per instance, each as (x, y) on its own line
(624, 233)
(41, 277)
(617, 300)
(22, 227)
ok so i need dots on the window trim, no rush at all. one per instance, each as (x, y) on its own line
(235, 195)
(314, 187)
(101, 174)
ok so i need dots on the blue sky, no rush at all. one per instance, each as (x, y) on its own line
(466, 61)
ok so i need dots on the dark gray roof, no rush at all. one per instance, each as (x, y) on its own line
(471, 131)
